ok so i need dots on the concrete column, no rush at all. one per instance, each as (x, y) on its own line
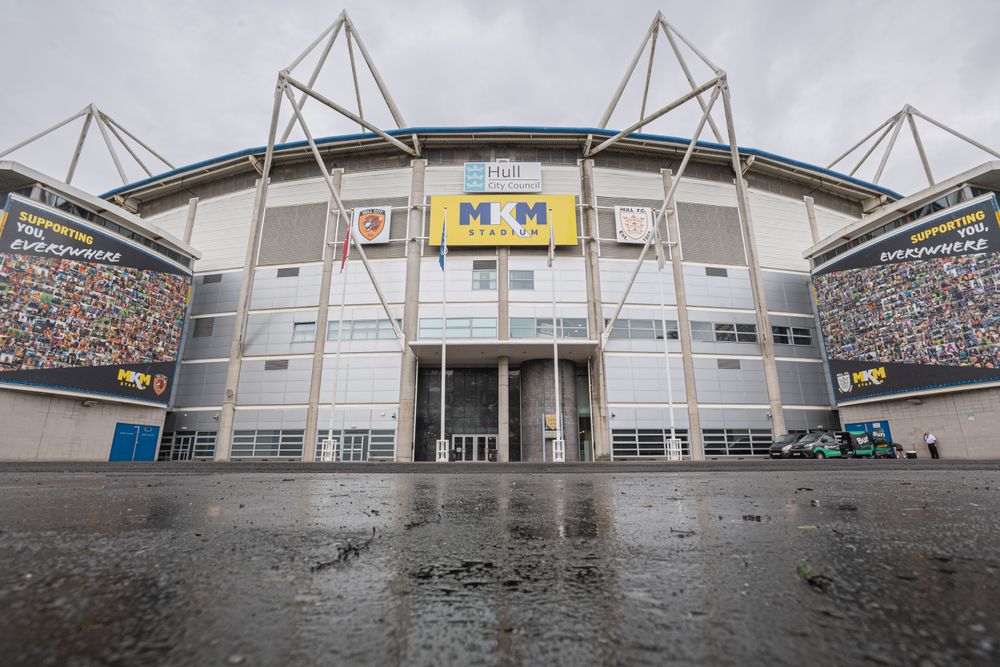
(227, 415)
(683, 324)
(538, 399)
(811, 212)
(322, 316)
(756, 279)
(503, 364)
(411, 313)
(189, 223)
(595, 321)
(503, 410)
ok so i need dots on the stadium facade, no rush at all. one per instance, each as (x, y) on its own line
(907, 302)
(724, 277)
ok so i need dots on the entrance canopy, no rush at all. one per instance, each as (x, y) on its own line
(486, 352)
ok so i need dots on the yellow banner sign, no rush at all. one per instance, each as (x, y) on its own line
(491, 220)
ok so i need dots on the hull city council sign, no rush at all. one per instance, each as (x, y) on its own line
(511, 220)
(503, 177)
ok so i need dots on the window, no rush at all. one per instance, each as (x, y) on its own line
(361, 330)
(203, 327)
(736, 441)
(723, 332)
(288, 273)
(713, 272)
(484, 274)
(522, 280)
(531, 327)
(801, 336)
(303, 332)
(793, 336)
(264, 444)
(647, 443)
(626, 329)
(211, 278)
(459, 327)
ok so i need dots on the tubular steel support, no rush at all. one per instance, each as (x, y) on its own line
(315, 73)
(920, 148)
(660, 214)
(888, 149)
(79, 148)
(690, 78)
(336, 197)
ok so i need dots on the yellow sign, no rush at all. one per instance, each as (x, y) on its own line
(491, 220)
(550, 422)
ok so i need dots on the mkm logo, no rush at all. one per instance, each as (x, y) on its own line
(486, 220)
(517, 216)
(872, 376)
(134, 379)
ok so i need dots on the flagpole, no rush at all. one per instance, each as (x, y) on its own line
(340, 335)
(444, 314)
(661, 262)
(555, 335)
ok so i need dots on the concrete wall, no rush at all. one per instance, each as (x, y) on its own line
(37, 427)
(966, 423)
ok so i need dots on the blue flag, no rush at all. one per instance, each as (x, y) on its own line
(443, 250)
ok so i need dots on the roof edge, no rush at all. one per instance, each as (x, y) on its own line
(743, 150)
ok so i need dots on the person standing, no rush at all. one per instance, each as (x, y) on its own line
(931, 441)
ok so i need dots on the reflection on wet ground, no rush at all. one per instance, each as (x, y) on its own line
(778, 567)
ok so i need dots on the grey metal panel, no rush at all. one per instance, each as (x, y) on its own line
(270, 291)
(200, 384)
(714, 418)
(275, 387)
(647, 418)
(810, 419)
(293, 234)
(642, 379)
(217, 297)
(215, 346)
(710, 234)
(732, 291)
(271, 333)
(291, 418)
(730, 386)
(198, 420)
(787, 292)
(803, 383)
(362, 379)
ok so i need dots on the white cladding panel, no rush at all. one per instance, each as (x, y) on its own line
(781, 227)
(830, 222)
(444, 180)
(627, 184)
(221, 229)
(561, 180)
(375, 184)
(570, 276)
(391, 274)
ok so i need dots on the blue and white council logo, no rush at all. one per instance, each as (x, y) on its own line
(475, 177)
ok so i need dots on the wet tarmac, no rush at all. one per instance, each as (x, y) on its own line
(787, 563)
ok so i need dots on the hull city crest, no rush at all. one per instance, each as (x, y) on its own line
(373, 224)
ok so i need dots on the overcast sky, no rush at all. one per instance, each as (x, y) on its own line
(194, 78)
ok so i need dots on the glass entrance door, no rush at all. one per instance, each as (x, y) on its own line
(181, 451)
(473, 447)
(354, 448)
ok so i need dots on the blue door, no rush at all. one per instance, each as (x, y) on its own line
(145, 446)
(134, 442)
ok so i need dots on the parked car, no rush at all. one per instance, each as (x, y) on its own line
(782, 445)
(833, 445)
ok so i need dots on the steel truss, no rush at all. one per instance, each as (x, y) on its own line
(109, 128)
(283, 92)
(716, 87)
(891, 128)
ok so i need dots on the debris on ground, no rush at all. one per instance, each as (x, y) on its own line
(682, 533)
(819, 582)
(814, 502)
(847, 507)
(803, 488)
(423, 522)
(345, 553)
(752, 517)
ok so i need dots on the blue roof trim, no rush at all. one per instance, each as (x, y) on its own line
(504, 128)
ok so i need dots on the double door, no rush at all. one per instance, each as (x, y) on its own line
(473, 447)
